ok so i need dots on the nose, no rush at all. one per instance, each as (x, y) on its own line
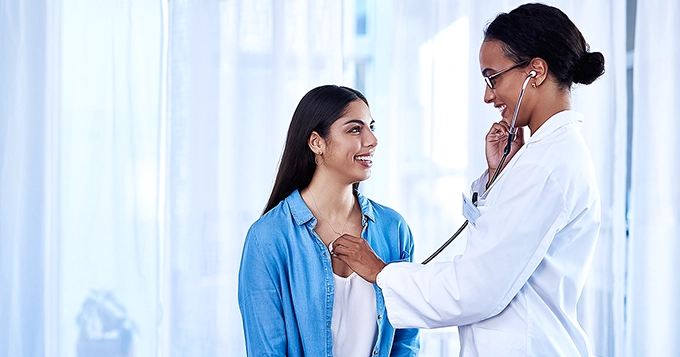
(371, 140)
(489, 95)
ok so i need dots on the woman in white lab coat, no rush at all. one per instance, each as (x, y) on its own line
(514, 290)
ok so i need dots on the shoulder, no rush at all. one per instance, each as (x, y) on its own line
(562, 166)
(379, 212)
(272, 226)
(273, 217)
(388, 233)
(559, 149)
(288, 213)
(386, 221)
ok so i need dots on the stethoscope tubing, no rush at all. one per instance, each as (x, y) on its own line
(506, 152)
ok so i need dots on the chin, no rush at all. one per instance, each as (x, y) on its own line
(361, 179)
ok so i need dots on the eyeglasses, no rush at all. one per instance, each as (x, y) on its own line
(490, 79)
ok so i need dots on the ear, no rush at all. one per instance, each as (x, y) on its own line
(316, 143)
(541, 67)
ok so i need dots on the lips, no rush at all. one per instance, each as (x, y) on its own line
(501, 108)
(366, 160)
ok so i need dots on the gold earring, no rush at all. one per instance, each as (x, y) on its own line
(533, 85)
(316, 159)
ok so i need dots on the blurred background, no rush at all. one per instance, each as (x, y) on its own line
(139, 140)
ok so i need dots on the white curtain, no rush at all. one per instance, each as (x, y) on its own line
(24, 140)
(654, 279)
(235, 74)
(78, 173)
(139, 140)
(107, 240)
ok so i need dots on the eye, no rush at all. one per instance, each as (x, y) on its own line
(372, 126)
(355, 129)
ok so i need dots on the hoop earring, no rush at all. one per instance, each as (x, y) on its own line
(316, 160)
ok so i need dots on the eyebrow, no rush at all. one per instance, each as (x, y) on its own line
(486, 70)
(357, 121)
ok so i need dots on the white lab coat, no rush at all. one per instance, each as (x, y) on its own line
(514, 290)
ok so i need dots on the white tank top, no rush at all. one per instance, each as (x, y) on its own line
(354, 324)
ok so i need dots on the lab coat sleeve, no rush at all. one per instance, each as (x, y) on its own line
(259, 301)
(406, 341)
(509, 241)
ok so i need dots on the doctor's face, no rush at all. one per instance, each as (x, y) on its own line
(350, 144)
(506, 77)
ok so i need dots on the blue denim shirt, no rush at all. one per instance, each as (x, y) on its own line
(286, 284)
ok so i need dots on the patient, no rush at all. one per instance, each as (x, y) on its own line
(296, 298)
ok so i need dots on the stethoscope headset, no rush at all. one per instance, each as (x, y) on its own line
(506, 151)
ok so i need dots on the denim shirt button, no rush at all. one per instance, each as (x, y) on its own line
(375, 352)
(379, 317)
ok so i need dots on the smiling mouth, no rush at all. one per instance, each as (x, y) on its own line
(364, 158)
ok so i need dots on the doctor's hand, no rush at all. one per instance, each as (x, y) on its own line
(359, 256)
(496, 140)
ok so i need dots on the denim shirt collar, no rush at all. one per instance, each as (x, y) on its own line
(302, 214)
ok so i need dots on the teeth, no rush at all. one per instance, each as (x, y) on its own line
(502, 107)
(364, 158)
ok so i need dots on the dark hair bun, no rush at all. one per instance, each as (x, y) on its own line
(590, 68)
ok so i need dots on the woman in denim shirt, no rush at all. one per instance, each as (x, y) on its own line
(296, 298)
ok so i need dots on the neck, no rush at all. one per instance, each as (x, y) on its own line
(333, 200)
(557, 103)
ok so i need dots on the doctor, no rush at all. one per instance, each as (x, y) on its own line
(514, 290)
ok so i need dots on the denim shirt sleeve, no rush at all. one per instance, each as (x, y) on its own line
(259, 301)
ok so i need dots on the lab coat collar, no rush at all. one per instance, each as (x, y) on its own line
(555, 122)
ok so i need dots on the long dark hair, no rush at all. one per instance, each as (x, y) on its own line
(317, 111)
(538, 30)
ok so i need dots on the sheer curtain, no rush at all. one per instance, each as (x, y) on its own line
(654, 282)
(235, 74)
(108, 158)
(78, 162)
(139, 140)
(24, 141)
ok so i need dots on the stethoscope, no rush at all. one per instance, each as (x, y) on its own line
(506, 151)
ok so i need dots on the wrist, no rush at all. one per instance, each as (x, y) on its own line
(492, 172)
(380, 269)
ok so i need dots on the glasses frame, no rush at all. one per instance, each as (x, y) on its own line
(490, 79)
